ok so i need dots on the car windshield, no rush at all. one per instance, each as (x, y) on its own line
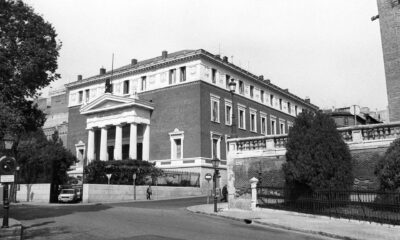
(68, 191)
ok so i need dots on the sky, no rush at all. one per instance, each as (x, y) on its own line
(328, 50)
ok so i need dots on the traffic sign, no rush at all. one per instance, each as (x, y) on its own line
(6, 178)
(208, 176)
(7, 165)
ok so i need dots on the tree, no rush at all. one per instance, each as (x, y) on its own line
(42, 160)
(388, 168)
(28, 62)
(317, 157)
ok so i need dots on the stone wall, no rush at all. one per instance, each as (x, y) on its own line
(38, 192)
(120, 193)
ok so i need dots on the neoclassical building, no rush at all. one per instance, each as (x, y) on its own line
(175, 110)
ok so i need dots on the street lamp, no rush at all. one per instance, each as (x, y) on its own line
(215, 163)
(232, 88)
(7, 164)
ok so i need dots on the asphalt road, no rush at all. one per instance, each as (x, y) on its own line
(152, 220)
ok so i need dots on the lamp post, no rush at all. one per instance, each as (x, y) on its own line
(7, 166)
(232, 88)
(215, 163)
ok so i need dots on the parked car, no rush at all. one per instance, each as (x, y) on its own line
(68, 195)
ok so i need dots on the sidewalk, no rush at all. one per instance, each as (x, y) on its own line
(331, 227)
(14, 230)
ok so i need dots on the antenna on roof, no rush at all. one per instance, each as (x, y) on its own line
(219, 48)
(112, 66)
(232, 59)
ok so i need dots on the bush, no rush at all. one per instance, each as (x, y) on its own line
(317, 158)
(388, 168)
(122, 172)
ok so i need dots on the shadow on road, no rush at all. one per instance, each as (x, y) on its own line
(29, 212)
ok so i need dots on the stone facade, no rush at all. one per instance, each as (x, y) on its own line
(389, 18)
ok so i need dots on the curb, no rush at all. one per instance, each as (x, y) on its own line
(325, 234)
(96, 203)
(13, 232)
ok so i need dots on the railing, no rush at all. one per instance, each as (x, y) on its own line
(354, 134)
(373, 206)
(179, 178)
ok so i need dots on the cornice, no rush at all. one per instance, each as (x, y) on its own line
(192, 55)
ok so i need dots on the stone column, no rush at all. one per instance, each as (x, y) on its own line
(146, 143)
(118, 142)
(253, 184)
(103, 144)
(90, 151)
(133, 141)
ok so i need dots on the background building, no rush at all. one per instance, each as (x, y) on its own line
(175, 110)
(389, 19)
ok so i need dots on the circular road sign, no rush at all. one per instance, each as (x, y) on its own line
(7, 165)
(208, 176)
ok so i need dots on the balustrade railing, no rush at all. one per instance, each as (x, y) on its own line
(353, 134)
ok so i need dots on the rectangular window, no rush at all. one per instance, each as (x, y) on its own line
(178, 148)
(214, 110)
(282, 128)
(126, 87)
(273, 127)
(262, 96)
(251, 91)
(280, 103)
(87, 96)
(241, 87)
(228, 114)
(241, 119)
(295, 110)
(253, 122)
(172, 76)
(263, 125)
(80, 96)
(214, 148)
(214, 75)
(182, 77)
(144, 83)
(227, 78)
(271, 100)
(289, 109)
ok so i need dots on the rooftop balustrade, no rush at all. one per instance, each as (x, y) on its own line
(355, 136)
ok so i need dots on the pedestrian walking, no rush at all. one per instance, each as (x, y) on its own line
(149, 192)
(224, 194)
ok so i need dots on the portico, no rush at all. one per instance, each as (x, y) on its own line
(118, 128)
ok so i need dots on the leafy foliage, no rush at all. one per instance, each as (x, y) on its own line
(122, 172)
(43, 160)
(317, 157)
(388, 168)
(28, 62)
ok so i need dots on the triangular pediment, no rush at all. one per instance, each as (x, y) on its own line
(108, 102)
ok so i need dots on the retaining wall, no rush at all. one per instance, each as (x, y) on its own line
(38, 192)
(121, 193)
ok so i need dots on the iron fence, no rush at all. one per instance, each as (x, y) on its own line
(373, 206)
(179, 178)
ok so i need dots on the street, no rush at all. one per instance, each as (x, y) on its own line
(141, 220)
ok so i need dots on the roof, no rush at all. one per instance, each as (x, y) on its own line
(156, 62)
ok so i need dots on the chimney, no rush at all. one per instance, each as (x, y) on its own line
(218, 56)
(268, 81)
(102, 71)
(134, 61)
(307, 99)
(286, 89)
(79, 77)
(225, 59)
(164, 54)
(261, 77)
